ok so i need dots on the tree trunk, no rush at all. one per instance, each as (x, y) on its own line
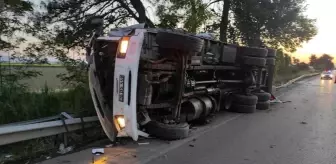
(139, 7)
(224, 21)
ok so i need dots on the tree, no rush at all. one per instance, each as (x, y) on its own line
(11, 15)
(224, 24)
(296, 61)
(312, 60)
(191, 13)
(302, 66)
(66, 24)
(276, 23)
(325, 62)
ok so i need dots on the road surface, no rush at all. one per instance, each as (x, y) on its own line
(302, 130)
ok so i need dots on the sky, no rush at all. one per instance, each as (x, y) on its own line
(324, 42)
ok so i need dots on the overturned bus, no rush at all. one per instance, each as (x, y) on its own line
(158, 81)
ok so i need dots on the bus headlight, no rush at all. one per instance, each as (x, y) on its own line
(121, 121)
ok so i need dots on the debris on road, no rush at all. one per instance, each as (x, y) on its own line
(63, 150)
(143, 143)
(272, 146)
(8, 156)
(191, 145)
(109, 145)
(143, 134)
(286, 101)
(98, 151)
(303, 122)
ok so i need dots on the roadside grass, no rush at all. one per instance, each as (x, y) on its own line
(22, 103)
(48, 77)
(18, 104)
(285, 75)
(4, 64)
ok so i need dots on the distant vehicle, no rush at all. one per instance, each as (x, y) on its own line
(327, 75)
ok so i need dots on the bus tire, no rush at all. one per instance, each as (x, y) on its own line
(167, 131)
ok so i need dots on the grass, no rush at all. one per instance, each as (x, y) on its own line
(30, 65)
(48, 77)
(18, 104)
(285, 76)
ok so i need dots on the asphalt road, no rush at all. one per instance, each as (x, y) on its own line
(302, 130)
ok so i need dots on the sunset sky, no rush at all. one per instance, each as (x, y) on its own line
(324, 42)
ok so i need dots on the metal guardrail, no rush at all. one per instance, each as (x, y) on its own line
(21, 132)
(45, 119)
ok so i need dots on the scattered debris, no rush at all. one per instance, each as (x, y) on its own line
(134, 155)
(98, 151)
(294, 108)
(63, 150)
(143, 143)
(272, 146)
(8, 156)
(48, 157)
(191, 145)
(143, 134)
(287, 101)
(109, 145)
(303, 122)
(194, 139)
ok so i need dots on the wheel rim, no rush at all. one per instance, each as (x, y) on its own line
(103, 113)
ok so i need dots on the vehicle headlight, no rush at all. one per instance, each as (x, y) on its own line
(121, 121)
